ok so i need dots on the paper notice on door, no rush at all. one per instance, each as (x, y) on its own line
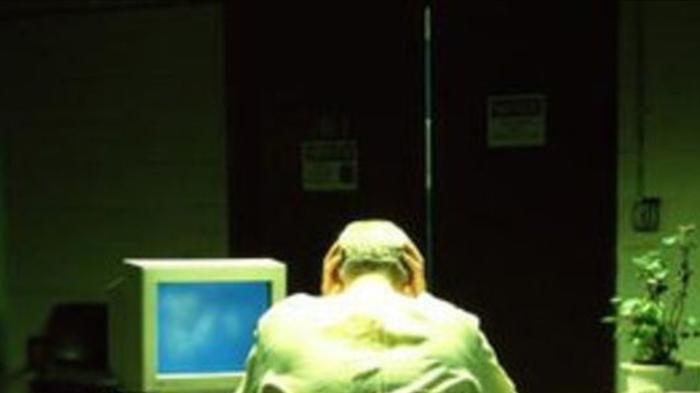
(329, 165)
(518, 120)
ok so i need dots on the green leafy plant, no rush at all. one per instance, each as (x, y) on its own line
(655, 322)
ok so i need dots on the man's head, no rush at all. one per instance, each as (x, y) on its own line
(373, 246)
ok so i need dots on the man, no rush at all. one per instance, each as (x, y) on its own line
(375, 329)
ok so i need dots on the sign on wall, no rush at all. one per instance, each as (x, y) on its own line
(517, 120)
(329, 165)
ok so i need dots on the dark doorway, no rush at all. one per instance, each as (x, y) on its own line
(307, 72)
(523, 236)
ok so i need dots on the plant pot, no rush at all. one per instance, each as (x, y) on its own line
(648, 378)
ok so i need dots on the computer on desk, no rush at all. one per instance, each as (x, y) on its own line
(188, 325)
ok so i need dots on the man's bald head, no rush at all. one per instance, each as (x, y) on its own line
(373, 246)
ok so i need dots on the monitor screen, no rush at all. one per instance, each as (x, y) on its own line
(187, 325)
(207, 327)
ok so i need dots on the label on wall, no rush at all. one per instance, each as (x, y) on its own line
(518, 120)
(329, 165)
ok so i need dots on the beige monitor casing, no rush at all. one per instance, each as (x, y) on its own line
(133, 323)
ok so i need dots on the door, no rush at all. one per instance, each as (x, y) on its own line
(304, 76)
(525, 227)
(523, 236)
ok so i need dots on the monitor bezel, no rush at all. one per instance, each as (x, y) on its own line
(156, 271)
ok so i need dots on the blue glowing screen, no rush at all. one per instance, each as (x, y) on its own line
(207, 327)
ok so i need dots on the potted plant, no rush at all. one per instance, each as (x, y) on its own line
(655, 323)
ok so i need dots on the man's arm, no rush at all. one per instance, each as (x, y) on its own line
(252, 373)
(486, 368)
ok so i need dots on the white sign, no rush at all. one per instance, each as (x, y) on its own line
(329, 165)
(518, 120)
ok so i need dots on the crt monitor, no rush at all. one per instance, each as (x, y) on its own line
(188, 325)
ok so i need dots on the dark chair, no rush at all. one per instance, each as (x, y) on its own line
(71, 356)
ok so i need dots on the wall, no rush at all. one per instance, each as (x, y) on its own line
(291, 87)
(671, 89)
(115, 125)
(3, 264)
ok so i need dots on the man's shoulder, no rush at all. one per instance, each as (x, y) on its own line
(302, 303)
(292, 307)
(296, 300)
(304, 310)
(442, 310)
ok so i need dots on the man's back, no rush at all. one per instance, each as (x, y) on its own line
(372, 341)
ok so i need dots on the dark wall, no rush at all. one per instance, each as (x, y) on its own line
(113, 125)
(322, 72)
(523, 236)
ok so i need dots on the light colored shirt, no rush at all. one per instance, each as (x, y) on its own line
(360, 342)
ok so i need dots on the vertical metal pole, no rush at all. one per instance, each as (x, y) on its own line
(428, 102)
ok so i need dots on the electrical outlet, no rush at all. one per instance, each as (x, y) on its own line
(646, 214)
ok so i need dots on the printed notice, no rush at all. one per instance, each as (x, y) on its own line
(329, 165)
(517, 120)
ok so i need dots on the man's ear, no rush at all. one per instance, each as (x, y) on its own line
(414, 263)
(330, 280)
